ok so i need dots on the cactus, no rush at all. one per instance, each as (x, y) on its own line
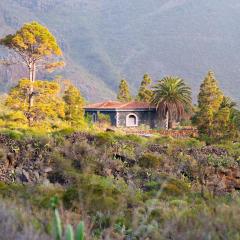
(57, 225)
(80, 231)
(58, 232)
(69, 232)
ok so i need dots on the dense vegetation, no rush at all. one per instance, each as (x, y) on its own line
(61, 174)
(121, 186)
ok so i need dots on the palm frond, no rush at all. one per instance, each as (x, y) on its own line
(171, 95)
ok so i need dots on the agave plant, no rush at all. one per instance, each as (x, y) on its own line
(69, 230)
(69, 233)
(172, 98)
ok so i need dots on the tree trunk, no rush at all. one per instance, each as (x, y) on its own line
(167, 121)
(170, 124)
(32, 77)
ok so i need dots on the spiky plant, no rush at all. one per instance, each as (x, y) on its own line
(57, 224)
(227, 102)
(69, 230)
(172, 98)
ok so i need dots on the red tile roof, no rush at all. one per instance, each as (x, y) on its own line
(119, 105)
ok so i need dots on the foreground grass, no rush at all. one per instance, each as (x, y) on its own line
(122, 186)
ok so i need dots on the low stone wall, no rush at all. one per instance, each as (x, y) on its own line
(182, 133)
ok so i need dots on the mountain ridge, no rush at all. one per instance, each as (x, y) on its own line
(104, 41)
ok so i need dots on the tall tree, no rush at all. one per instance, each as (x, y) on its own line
(36, 46)
(210, 93)
(74, 104)
(225, 124)
(144, 92)
(172, 97)
(123, 92)
(47, 104)
(210, 99)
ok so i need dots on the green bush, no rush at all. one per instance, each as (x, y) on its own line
(105, 138)
(149, 160)
(104, 118)
(13, 134)
(63, 132)
(131, 138)
(70, 196)
(166, 186)
(188, 143)
(102, 194)
(162, 140)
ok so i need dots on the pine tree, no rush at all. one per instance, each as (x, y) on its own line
(35, 45)
(224, 121)
(123, 92)
(209, 101)
(74, 104)
(210, 93)
(144, 93)
(47, 102)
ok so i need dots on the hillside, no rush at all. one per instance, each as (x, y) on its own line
(105, 40)
(157, 188)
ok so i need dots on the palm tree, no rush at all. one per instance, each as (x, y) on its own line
(172, 99)
(227, 102)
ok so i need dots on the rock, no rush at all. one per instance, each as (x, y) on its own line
(47, 170)
(130, 162)
(25, 176)
(158, 148)
(36, 175)
(237, 175)
(10, 159)
(46, 182)
(110, 130)
(108, 172)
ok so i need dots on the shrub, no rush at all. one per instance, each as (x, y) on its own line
(13, 134)
(131, 138)
(188, 143)
(102, 194)
(16, 224)
(104, 119)
(149, 160)
(63, 132)
(105, 138)
(166, 186)
(163, 140)
(70, 196)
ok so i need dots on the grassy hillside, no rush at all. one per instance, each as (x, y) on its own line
(107, 40)
(122, 186)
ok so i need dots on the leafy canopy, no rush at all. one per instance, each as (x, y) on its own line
(35, 45)
(47, 103)
(33, 42)
(74, 104)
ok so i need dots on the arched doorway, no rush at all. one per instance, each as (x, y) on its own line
(131, 120)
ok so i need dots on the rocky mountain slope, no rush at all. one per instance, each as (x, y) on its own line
(105, 40)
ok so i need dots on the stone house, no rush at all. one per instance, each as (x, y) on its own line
(131, 114)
